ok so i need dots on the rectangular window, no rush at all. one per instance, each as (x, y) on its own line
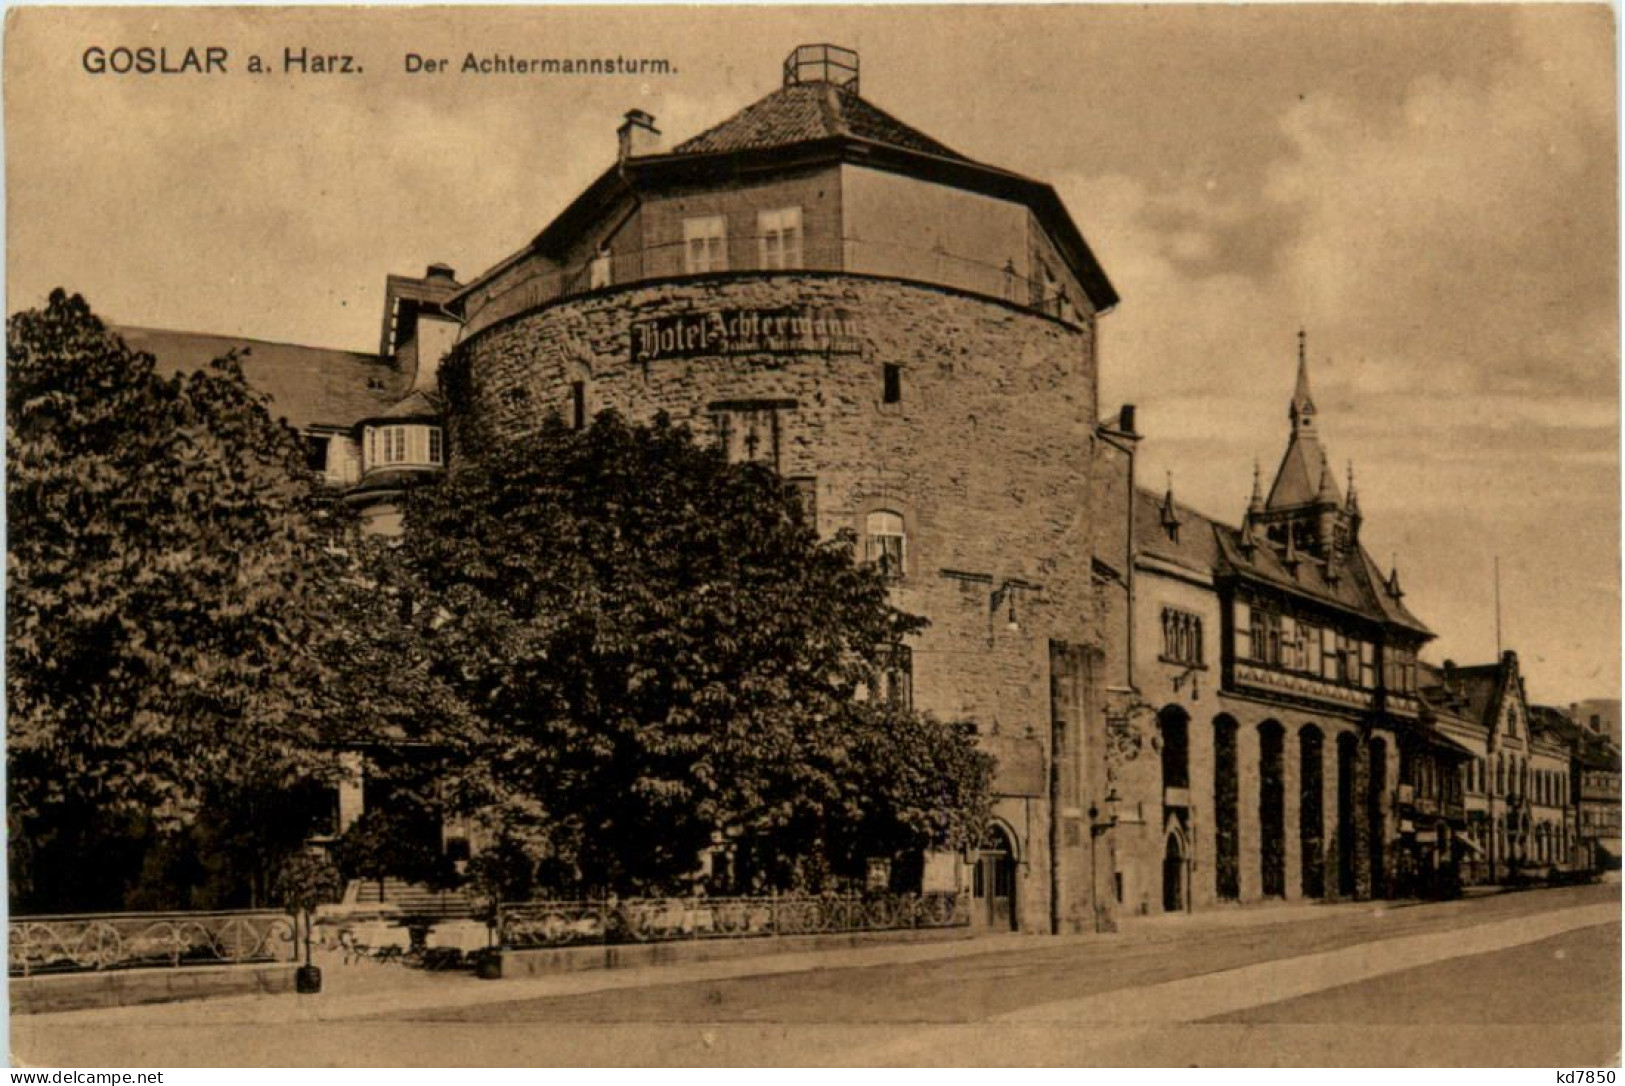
(779, 237)
(705, 244)
(316, 452)
(1328, 654)
(886, 542)
(1267, 637)
(1310, 637)
(892, 383)
(437, 449)
(1291, 651)
(598, 272)
(896, 679)
(1368, 665)
(578, 405)
(1181, 636)
(805, 488)
(1241, 626)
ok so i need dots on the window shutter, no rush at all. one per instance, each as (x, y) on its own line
(1242, 627)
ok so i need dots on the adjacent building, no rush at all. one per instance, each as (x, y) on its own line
(1265, 733)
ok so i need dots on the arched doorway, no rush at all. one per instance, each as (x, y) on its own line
(993, 882)
(1272, 807)
(1175, 866)
(1311, 811)
(1346, 753)
(1376, 794)
(1226, 813)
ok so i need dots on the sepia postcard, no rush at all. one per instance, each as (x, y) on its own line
(718, 536)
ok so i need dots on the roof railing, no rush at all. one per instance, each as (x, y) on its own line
(929, 264)
(822, 63)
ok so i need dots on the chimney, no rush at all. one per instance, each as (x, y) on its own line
(1125, 419)
(441, 271)
(638, 135)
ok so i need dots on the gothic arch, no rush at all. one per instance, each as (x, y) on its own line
(1312, 809)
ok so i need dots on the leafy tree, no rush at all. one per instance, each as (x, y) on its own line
(174, 588)
(664, 654)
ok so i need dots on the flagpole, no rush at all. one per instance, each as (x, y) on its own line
(1498, 607)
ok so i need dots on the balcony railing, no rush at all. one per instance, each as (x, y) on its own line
(996, 279)
(86, 942)
(535, 924)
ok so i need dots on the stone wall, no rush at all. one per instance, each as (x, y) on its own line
(986, 457)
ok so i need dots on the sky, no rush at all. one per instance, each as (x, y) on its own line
(1431, 192)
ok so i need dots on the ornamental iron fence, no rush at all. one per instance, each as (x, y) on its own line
(537, 924)
(105, 941)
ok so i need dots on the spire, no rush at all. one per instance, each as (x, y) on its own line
(1354, 497)
(1298, 481)
(1393, 580)
(1327, 492)
(1303, 406)
(1255, 504)
(1289, 558)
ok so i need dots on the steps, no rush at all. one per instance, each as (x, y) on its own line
(412, 899)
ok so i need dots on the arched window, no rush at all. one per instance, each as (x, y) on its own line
(886, 542)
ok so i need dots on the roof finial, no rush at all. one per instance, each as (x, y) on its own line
(1255, 504)
(1354, 497)
(1393, 578)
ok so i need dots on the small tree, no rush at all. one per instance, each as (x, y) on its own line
(303, 881)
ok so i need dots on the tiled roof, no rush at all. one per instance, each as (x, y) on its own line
(802, 112)
(1302, 474)
(1196, 547)
(308, 386)
(1209, 545)
(418, 405)
(1481, 688)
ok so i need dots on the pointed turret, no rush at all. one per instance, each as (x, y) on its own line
(1170, 512)
(1247, 539)
(1351, 508)
(1327, 492)
(1393, 582)
(1289, 557)
(1298, 482)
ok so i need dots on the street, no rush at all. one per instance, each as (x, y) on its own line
(1524, 979)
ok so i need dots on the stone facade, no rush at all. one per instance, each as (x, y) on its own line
(985, 456)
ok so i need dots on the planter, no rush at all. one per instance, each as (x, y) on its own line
(308, 980)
